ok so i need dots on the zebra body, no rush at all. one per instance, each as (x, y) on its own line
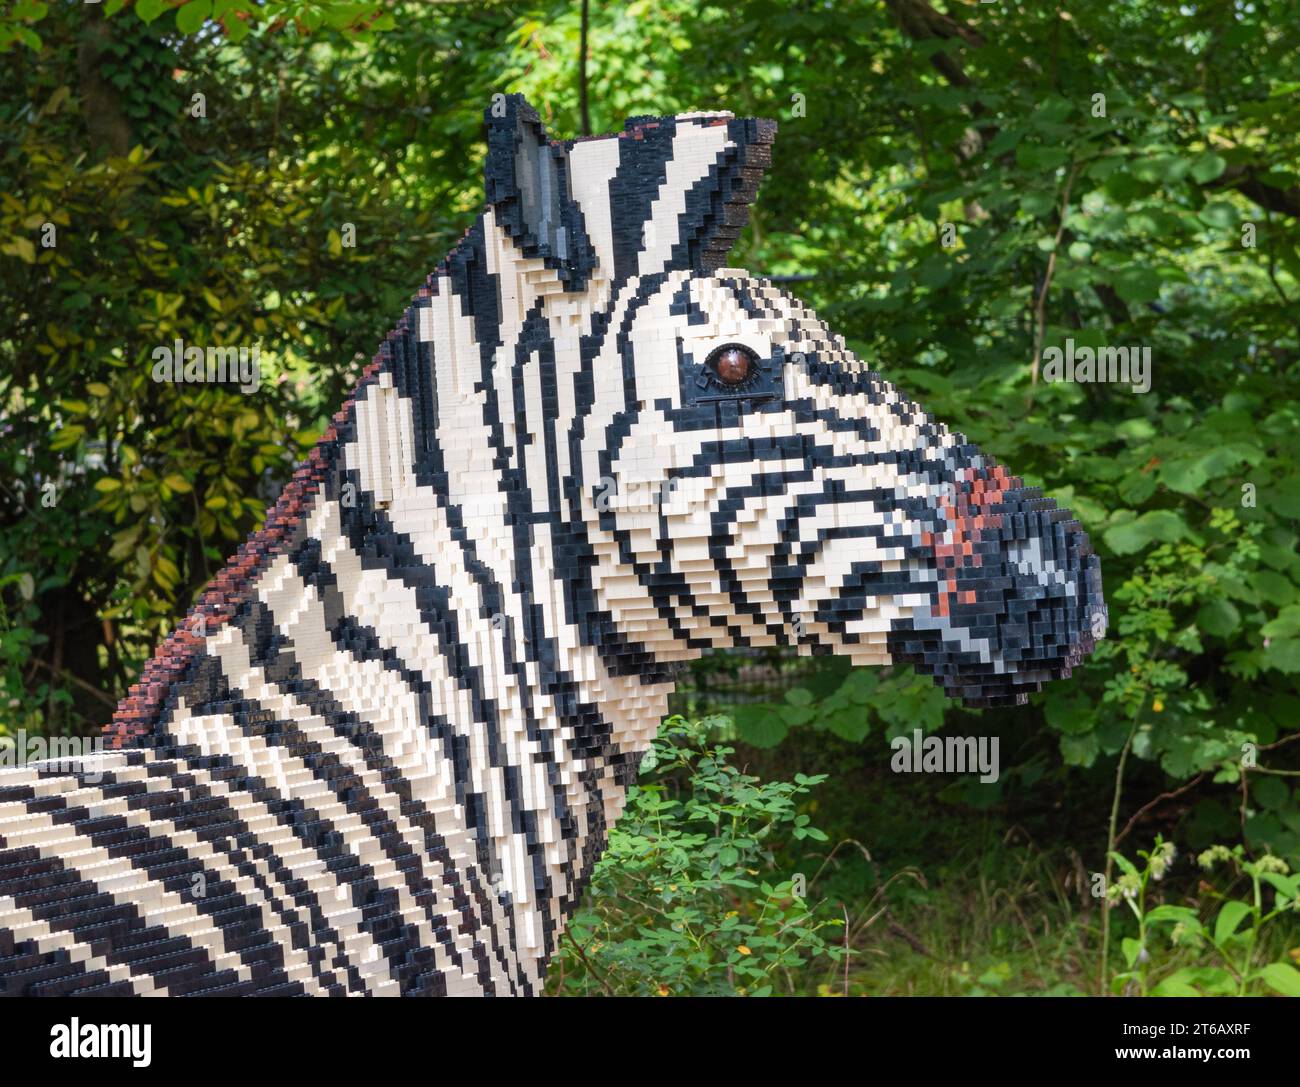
(383, 753)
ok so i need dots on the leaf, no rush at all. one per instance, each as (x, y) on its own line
(850, 724)
(1208, 166)
(759, 726)
(108, 483)
(1230, 917)
(1272, 586)
(22, 248)
(1125, 865)
(1175, 915)
(165, 572)
(1271, 793)
(149, 10)
(1174, 985)
(1186, 475)
(67, 436)
(1137, 487)
(1218, 617)
(1079, 750)
(1285, 496)
(1283, 654)
(794, 716)
(860, 687)
(1211, 980)
(1282, 978)
(193, 15)
(1136, 284)
(1069, 713)
(1128, 537)
(1219, 214)
(1285, 625)
(124, 543)
(1286, 885)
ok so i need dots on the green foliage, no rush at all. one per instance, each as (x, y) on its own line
(846, 702)
(235, 18)
(216, 221)
(1203, 957)
(689, 898)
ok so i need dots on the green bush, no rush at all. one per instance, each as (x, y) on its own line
(1202, 958)
(688, 899)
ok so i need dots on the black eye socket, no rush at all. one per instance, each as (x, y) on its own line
(733, 365)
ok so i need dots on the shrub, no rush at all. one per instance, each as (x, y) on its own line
(687, 899)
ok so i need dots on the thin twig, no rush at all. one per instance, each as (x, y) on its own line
(895, 929)
(1147, 807)
(582, 72)
(68, 677)
(846, 947)
(1279, 743)
(587, 963)
(1040, 304)
(831, 855)
(1110, 862)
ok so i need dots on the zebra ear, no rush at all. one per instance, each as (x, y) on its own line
(682, 192)
(527, 182)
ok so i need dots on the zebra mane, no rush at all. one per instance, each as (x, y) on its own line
(230, 590)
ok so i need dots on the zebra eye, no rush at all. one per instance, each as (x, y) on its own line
(733, 364)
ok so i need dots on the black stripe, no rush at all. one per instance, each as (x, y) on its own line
(56, 893)
(642, 171)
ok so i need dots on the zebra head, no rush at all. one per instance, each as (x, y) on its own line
(714, 467)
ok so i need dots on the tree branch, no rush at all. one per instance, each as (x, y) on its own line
(1040, 306)
(582, 71)
(1245, 179)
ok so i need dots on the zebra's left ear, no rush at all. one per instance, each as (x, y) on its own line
(528, 186)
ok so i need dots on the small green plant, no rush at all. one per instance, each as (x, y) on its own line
(687, 899)
(1232, 944)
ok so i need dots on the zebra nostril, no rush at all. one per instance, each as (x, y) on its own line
(1016, 592)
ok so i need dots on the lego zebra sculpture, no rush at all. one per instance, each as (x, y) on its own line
(382, 754)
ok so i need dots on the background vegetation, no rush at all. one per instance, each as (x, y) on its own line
(956, 188)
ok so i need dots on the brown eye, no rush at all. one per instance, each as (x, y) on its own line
(733, 365)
